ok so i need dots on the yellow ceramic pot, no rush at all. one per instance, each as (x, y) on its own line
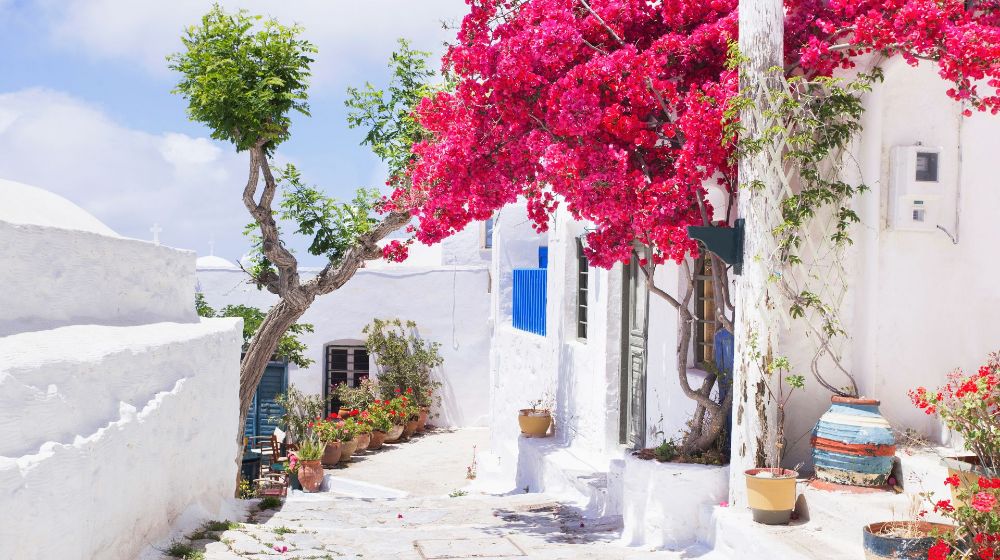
(771, 495)
(534, 423)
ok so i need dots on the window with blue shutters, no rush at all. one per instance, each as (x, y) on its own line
(530, 297)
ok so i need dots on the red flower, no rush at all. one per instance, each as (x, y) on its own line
(409, 391)
(986, 483)
(944, 505)
(355, 412)
(984, 502)
(939, 551)
(953, 480)
(398, 391)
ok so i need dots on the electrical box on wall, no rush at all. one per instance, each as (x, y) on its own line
(918, 190)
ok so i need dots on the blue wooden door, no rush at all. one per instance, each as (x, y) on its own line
(265, 412)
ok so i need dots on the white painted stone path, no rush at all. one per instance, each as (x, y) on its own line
(395, 504)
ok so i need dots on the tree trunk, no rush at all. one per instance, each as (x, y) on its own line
(259, 352)
(761, 40)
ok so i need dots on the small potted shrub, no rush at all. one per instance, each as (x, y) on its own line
(345, 431)
(912, 538)
(326, 431)
(378, 417)
(535, 421)
(363, 429)
(969, 405)
(771, 491)
(293, 471)
(310, 466)
(411, 412)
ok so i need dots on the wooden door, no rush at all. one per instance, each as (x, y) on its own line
(635, 322)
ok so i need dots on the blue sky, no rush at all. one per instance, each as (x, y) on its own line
(86, 109)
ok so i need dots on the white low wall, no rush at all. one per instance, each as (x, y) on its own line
(109, 434)
(55, 277)
(662, 504)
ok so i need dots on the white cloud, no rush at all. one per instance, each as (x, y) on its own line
(349, 33)
(128, 179)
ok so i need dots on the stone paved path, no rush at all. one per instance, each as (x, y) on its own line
(405, 503)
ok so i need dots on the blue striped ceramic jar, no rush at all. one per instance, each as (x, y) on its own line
(853, 444)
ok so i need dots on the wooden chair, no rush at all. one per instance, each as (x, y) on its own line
(270, 449)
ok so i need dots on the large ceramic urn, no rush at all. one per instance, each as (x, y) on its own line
(853, 444)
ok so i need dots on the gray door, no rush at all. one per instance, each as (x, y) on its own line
(635, 303)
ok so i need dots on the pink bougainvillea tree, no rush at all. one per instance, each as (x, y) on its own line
(616, 110)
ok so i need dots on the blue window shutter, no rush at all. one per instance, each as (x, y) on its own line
(530, 299)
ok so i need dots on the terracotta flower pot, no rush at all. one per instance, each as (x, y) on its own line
(331, 455)
(394, 434)
(853, 443)
(534, 423)
(409, 429)
(347, 449)
(886, 540)
(422, 419)
(770, 497)
(311, 475)
(362, 442)
(378, 438)
(343, 412)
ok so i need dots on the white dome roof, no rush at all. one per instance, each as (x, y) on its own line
(214, 262)
(26, 205)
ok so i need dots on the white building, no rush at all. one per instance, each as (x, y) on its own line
(117, 403)
(922, 300)
(445, 289)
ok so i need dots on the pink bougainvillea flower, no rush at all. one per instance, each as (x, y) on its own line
(723, 504)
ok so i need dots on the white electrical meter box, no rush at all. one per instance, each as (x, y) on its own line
(917, 190)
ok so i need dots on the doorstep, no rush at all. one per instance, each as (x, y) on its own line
(580, 476)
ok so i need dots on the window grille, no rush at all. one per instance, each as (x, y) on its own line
(705, 322)
(582, 287)
(345, 364)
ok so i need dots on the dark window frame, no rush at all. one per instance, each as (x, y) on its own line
(705, 322)
(582, 290)
(353, 357)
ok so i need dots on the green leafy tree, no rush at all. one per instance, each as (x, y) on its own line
(243, 76)
(289, 346)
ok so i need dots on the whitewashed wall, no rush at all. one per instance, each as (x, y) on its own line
(77, 273)
(449, 303)
(94, 417)
(920, 305)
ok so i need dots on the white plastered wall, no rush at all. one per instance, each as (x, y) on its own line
(449, 303)
(118, 407)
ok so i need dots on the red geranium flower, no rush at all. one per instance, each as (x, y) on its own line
(939, 551)
(944, 505)
(953, 480)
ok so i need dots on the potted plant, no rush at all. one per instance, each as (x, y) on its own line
(411, 412)
(396, 414)
(300, 410)
(364, 430)
(535, 421)
(771, 490)
(293, 471)
(326, 431)
(346, 431)
(378, 417)
(310, 471)
(404, 360)
(969, 405)
(912, 538)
